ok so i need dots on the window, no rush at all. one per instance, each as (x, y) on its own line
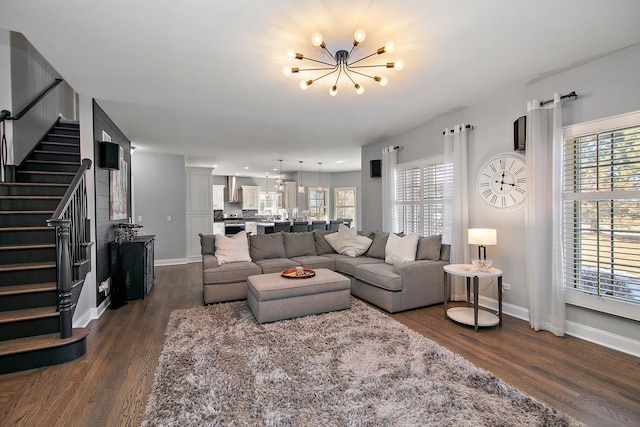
(601, 212)
(317, 204)
(268, 203)
(419, 203)
(345, 204)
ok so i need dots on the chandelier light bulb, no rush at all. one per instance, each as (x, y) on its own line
(381, 80)
(388, 46)
(333, 91)
(359, 36)
(316, 39)
(286, 71)
(304, 85)
(359, 89)
(398, 65)
(291, 53)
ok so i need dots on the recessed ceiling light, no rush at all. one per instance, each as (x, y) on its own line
(214, 166)
(340, 161)
(246, 167)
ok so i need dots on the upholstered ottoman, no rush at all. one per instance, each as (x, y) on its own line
(272, 297)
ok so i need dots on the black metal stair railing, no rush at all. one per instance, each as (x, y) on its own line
(71, 228)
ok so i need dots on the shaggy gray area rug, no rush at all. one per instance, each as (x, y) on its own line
(355, 367)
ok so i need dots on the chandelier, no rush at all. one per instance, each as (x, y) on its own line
(343, 63)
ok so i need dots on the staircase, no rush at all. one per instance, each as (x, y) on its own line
(30, 299)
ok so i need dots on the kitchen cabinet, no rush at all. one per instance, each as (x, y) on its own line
(218, 228)
(218, 197)
(250, 197)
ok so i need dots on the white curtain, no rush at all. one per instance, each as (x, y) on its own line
(456, 202)
(389, 162)
(543, 217)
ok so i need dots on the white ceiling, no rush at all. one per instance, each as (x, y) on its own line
(203, 78)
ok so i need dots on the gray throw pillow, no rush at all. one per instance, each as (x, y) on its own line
(299, 244)
(266, 246)
(322, 246)
(429, 247)
(207, 244)
(368, 234)
(377, 248)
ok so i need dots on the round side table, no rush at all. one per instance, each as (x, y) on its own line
(470, 315)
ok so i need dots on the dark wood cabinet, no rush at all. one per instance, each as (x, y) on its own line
(132, 268)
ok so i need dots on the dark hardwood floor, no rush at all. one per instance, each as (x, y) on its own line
(109, 386)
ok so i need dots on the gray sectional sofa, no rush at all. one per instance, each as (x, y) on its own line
(393, 288)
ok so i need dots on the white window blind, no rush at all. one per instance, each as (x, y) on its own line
(601, 214)
(418, 206)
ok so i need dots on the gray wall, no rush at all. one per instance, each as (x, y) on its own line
(30, 74)
(606, 87)
(105, 228)
(159, 187)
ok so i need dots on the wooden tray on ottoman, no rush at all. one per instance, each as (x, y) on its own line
(292, 274)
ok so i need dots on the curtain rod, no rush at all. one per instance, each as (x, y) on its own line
(569, 95)
(470, 127)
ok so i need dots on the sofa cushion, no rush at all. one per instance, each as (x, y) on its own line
(275, 265)
(207, 245)
(322, 246)
(401, 249)
(299, 244)
(315, 261)
(348, 242)
(230, 273)
(429, 247)
(265, 246)
(347, 265)
(369, 234)
(376, 250)
(232, 249)
(380, 275)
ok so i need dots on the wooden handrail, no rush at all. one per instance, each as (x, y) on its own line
(68, 195)
(30, 105)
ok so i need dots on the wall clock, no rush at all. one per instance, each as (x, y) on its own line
(502, 182)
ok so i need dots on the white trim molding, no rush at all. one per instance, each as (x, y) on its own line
(175, 261)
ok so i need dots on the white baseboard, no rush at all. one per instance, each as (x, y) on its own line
(587, 333)
(92, 314)
(197, 258)
(176, 261)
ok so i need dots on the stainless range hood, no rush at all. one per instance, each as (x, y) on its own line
(233, 195)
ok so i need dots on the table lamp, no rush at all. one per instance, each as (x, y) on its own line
(482, 237)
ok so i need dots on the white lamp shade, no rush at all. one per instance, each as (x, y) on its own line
(482, 236)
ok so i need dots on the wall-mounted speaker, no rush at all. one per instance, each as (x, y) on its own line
(109, 155)
(520, 134)
(375, 168)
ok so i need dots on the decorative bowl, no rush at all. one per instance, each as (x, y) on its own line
(484, 264)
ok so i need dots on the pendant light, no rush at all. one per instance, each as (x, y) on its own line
(267, 185)
(320, 187)
(300, 187)
(280, 186)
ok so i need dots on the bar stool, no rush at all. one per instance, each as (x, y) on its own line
(299, 227)
(282, 226)
(334, 224)
(318, 225)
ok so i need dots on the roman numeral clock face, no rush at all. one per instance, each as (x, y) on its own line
(502, 182)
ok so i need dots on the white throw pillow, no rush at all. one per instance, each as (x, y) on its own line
(232, 249)
(347, 241)
(401, 249)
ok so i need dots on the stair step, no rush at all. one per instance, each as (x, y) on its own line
(26, 235)
(68, 139)
(51, 165)
(55, 155)
(66, 130)
(42, 350)
(60, 146)
(27, 289)
(29, 203)
(21, 253)
(45, 176)
(24, 273)
(32, 189)
(24, 218)
(27, 314)
(20, 297)
(23, 345)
